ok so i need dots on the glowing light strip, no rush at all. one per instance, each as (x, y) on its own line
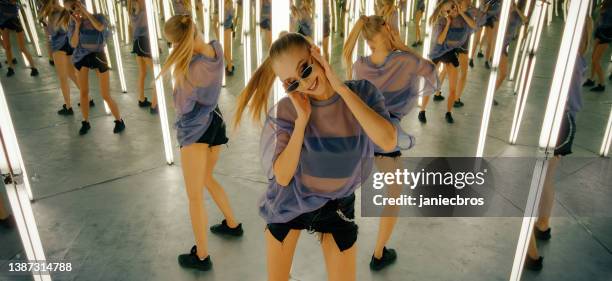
(318, 24)
(113, 27)
(221, 38)
(246, 33)
(120, 18)
(124, 15)
(536, 24)
(607, 140)
(499, 44)
(159, 83)
(550, 13)
(333, 27)
(157, 25)
(27, 31)
(431, 5)
(13, 159)
(167, 10)
(521, 43)
(206, 19)
(30, 21)
(258, 43)
(563, 73)
(281, 23)
(356, 10)
(473, 36)
(409, 12)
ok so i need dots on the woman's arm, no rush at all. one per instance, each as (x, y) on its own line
(94, 22)
(288, 160)
(442, 36)
(74, 39)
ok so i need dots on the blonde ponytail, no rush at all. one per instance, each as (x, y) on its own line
(349, 45)
(256, 93)
(180, 29)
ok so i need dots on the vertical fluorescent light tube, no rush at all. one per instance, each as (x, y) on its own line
(563, 73)
(318, 23)
(120, 19)
(550, 13)
(246, 33)
(30, 21)
(159, 83)
(221, 38)
(521, 43)
(258, 43)
(156, 13)
(536, 25)
(280, 23)
(126, 36)
(27, 31)
(607, 140)
(332, 28)
(348, 16)
(167, 10)
(499, 42)
(193, 10)
(117, 47)
(206, 19)
(431, 5)
(14, 156)
(356, 14)
(409, 11)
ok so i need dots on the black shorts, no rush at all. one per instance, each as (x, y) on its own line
(215, 134)
(336, 217)
(448, 57)
(93, 61)
(393, 154)
(12, 24)
(265, 24)
(66, 48)
(566, 135)
(490, 22)
(603, 35)
(142, 47)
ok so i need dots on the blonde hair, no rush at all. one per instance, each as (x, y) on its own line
(48, 7)
(368, 27)
(438, 10)
(385, 9)
(257, 92)
(179, 30)
(51, 6)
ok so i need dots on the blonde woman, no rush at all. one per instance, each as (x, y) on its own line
(316, 144)
(388, 11)
(55, 19)
(9, 22)
(418, 16)
(397, 71)
(197, 68)
(142, 49)
(88, 34)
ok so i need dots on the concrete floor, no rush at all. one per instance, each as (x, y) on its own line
(110, 205)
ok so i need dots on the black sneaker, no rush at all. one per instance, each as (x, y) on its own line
(532, 264)
(598, 88)
(422, 117)
(51, 62)
(14, 61)
(153, 110)
(229, 72)
(588, 83)
(388, 257)
(0, 65)
(487, 65)
(438, 97)
(609, 77)
(480, 54)
(10, 72)
(91, 103)
(34, 72)
(471, 63)
(224, 229)
(541, 235)
(449, 118)
(458, 103)
(65, 111)
(415, 44)
(495, 102)
(84, 128)
(8, 222)
(144, 103)
(119, 126)
(192, 260)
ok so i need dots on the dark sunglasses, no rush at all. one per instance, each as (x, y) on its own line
(295, 84)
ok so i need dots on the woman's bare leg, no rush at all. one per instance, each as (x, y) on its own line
(193, 163)
(476, 42)
(6, 42)
(104, 79)
(149, 64)
(341, 265)
(24, 50)
(227, 48)
(280, 255)
(389, 217)
(84, 92)
(417, 26)
(142, 75)
(215, 189)
(63, 67)
(452, 86)
(596, 69)
(463, 71)
(548, 195)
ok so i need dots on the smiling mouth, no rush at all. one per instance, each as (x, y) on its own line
(314, 85)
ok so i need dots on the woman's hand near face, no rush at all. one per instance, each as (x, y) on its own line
(333, 79)
(302, 106)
